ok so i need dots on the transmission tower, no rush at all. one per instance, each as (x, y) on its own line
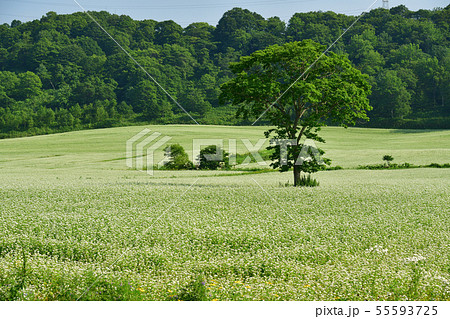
(386, 4)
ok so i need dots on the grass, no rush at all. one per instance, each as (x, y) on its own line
(71, 216)
(105, 148)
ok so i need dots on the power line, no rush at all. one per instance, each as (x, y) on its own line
(136, 62)
(309, 67)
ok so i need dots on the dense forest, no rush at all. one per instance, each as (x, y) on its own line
(63, 73)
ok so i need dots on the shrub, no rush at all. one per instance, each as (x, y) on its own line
(178, 158)
(436, 165)
(375, 166)
(213, 157)
(391, 166)
(334, 168)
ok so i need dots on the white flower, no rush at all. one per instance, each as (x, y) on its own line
(415, 258)
(445, 280)
(377, 249)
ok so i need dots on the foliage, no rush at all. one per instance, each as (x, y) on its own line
(436, 165)
(177, 158)
(389, 166)
(65, 63)
(308, 181)
(331, 90)
(388, 159)
(403, 166)
(391, 97)
(213, 157)
(334, 168)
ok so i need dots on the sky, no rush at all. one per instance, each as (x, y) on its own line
(185, 12)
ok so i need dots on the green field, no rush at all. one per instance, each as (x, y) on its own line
(73, 217)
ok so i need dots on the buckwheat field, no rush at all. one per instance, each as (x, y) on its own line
(77, 224)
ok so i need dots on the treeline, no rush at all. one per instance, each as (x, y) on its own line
(63, 72)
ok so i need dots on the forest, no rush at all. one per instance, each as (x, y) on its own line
(63, 73)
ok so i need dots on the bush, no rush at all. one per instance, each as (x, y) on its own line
(334, 168)
(178, 158)
(436, 165)
(392, 166)
(434, 123)
(213, 157)
(375, 166)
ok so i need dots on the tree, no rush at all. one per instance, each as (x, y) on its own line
(78, 63)
(45, 76)
(9, 81)
(213, 157)
(145, 99)
(64, 119)
(44, 117)
(388, 159)
(401, 10)
(362, 52)
(167, 32)
(124, 109)
(390, 97)
(235, 28)
(178, 158)
(193, 100)
(331, 91)
(93, 89)
(29, 85)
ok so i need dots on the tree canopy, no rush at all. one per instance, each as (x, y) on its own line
(62, 72)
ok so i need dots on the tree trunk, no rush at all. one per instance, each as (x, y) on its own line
(297, 172)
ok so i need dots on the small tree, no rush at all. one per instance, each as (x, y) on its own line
(213, 157)
(388, 159)
(178, 158)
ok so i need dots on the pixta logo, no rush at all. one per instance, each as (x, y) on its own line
(141, 148)
(144, 145)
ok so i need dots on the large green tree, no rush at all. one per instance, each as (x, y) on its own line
(331, 90)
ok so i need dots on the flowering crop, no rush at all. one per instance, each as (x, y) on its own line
(362, 236)
(73, 217)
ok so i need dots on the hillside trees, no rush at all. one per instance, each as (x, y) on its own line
(81, 69)
(390, 95)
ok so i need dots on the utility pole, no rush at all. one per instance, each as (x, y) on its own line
(386, 4)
